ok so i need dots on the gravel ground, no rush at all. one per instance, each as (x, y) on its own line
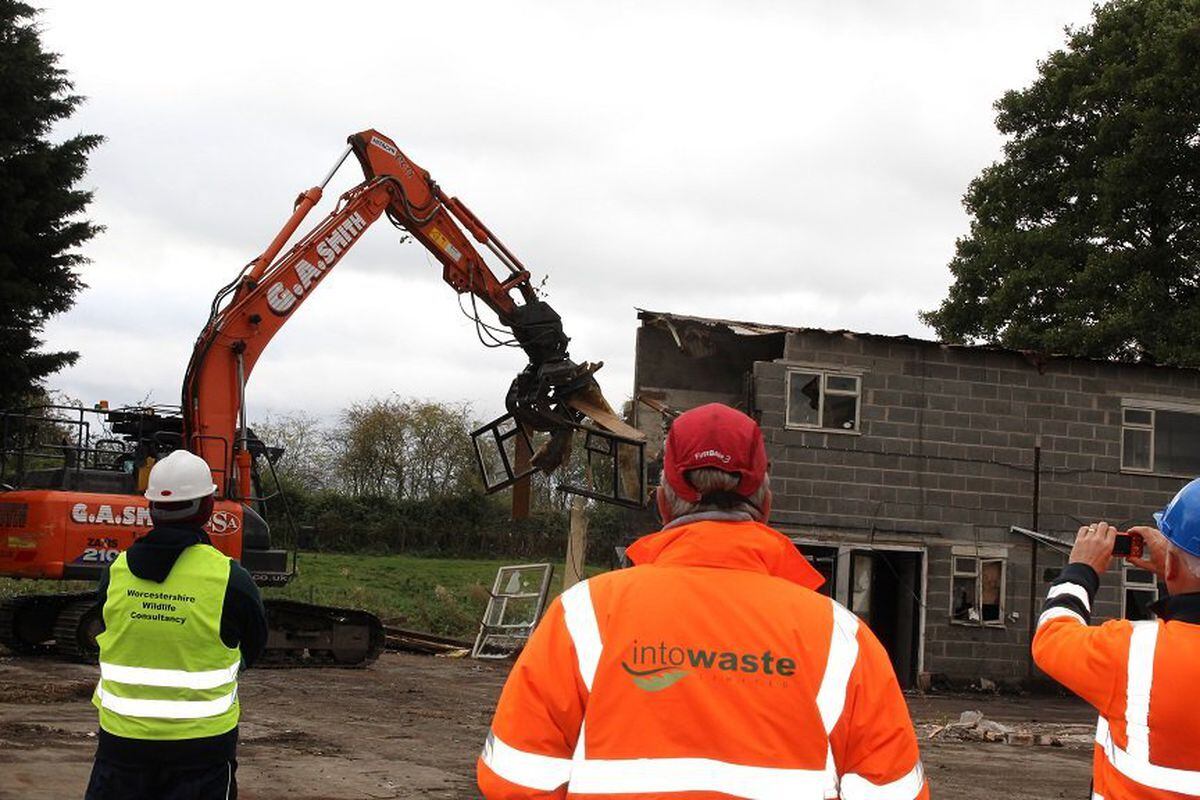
(411, 726)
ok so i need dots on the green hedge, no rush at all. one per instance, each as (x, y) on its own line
(470, 525)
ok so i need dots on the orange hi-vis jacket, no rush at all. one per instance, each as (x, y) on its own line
(1144, 679)
(710, 670)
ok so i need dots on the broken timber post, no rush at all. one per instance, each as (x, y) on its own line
(521, 489)
(576, 543)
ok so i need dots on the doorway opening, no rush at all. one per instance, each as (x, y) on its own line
(884, 587)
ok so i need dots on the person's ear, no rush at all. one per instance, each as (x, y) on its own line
(664, 507)
(1172, 565)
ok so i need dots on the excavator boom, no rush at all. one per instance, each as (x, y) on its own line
(553, 394)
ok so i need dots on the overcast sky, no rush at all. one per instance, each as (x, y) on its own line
(790, 162)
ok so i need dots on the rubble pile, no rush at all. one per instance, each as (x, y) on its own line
(972, 726)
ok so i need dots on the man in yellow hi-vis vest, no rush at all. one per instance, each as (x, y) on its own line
(180, 619)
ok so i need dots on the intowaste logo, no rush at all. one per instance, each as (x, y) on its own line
(655, 680)
(655, 667)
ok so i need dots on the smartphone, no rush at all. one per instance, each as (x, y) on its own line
(1129, 545)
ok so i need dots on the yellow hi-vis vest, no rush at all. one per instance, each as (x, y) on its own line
(165, 674)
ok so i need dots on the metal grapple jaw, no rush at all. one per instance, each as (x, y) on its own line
(561, 398)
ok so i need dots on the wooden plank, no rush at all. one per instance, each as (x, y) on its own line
(595, 407)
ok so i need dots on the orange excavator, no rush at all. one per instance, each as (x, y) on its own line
(71, 480)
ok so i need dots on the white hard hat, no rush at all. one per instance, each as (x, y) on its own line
(180, 476)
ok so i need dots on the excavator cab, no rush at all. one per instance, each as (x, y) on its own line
(71, 484)
(71, 499)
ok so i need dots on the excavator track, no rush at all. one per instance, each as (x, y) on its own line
(27, 622)
(64, 626)
(305, 635)
(75, 631)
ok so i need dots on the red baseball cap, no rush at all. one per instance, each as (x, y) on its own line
(714, 435)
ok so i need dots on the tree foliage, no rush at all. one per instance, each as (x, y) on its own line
(405, 449)
(40, 226)
(307, 452)
(396, 475)
(1085, 238)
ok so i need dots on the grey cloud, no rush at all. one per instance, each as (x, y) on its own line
(795, 162)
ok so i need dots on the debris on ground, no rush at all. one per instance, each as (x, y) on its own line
(427, 644)
(972, 726)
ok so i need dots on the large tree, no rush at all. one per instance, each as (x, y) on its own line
(406, 449)
(40, 206)
(1085, 238)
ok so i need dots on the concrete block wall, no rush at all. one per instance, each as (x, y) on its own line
(691, 366)
(945, 456)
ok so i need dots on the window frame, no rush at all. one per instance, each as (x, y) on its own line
(979, 559)
(1137, 426)
(824, 374)
(1135, 586)
(1152, 406)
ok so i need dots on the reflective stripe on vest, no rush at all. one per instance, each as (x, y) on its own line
(1056, 612)
(165, 709)
(580, 617)
(1133, 761)
(534, 771)
(1080, 593)
(856, 787)
(645, 775)
(177, 678)
(831, 697)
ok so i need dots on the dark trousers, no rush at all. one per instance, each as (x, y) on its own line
(112, 781)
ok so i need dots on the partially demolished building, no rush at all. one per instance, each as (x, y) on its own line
(900, 467)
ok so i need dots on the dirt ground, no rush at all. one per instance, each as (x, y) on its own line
(411, 726)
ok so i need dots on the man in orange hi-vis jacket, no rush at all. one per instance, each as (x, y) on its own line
(711, 669)
(1143, 677)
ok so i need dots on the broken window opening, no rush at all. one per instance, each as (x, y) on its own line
(860, 591)
(977, 591)
(826, 401)
(963, 608)
(990, 597)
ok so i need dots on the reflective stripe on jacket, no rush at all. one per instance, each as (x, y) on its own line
(165, 674)
(706, 669)
(1141, 677)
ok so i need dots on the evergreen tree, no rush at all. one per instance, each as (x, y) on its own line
(40, 208)
(1085, 238)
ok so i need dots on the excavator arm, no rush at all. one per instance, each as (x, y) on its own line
(536, 396)
(552, 394)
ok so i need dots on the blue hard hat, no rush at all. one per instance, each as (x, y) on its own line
(1180, 520)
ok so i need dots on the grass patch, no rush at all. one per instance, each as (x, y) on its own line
(437, 595)
(15, 586)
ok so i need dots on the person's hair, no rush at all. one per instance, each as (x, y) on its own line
(718, 492)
